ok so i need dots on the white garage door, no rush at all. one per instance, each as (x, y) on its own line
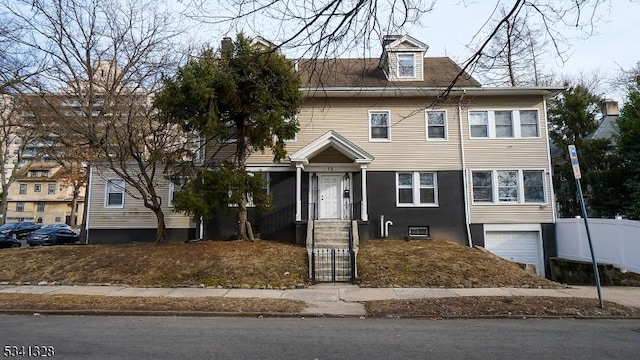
(517, 246)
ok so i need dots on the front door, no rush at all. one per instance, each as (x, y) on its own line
(330, 191)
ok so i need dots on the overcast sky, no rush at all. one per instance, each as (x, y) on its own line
(450, 27)
(614, 44)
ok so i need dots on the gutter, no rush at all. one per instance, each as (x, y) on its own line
(467, 215)
(429, 91)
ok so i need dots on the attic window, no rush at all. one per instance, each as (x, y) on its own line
(406, 66)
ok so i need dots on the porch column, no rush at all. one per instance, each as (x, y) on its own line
(363, 210)
(298, 190)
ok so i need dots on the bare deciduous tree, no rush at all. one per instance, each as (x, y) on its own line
(105, 61)
(328, 28)
(14, 137)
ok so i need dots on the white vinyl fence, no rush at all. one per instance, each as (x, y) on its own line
(614, 241)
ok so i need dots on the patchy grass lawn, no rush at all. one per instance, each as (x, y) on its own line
(37, 302)
(398, 263)
(210, 263)
(498, 306)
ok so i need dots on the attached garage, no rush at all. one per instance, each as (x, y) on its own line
(517, 243)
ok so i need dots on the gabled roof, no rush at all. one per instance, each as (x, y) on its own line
(338, 142)
(366, 73)
(417, 44)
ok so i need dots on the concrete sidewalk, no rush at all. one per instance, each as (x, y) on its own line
(330, 299)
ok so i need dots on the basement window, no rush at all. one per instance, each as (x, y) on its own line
(419, 232)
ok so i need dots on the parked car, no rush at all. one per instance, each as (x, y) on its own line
(56, 225)
(18, 229)
(8, 242)
(52, 236)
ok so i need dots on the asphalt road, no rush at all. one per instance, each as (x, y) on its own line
(90, 337)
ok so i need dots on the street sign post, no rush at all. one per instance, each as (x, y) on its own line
(575, 164)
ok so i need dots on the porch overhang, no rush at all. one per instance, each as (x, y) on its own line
(331, 139)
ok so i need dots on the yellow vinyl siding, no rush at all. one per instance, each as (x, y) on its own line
(408, 148)
(510, 213)
(506, 152)
(134, 215)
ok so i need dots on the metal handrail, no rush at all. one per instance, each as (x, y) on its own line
(352, 252)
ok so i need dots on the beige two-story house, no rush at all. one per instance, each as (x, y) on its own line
(43, 193)
(393, 143)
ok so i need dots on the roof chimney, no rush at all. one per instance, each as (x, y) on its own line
(610, 108)
(226, 47)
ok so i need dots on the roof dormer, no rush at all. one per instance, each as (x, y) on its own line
(403, 58)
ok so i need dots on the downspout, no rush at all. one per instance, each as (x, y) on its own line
(87, 202)
(551, 190)
(464, 171)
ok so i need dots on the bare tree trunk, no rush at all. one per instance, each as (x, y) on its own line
(4, 203)
(242, 207)
(74, 205)
(242, 220)
(161, 231)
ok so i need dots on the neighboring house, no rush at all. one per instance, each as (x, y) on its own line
(42, 194)
(375, 145)
(117, 213)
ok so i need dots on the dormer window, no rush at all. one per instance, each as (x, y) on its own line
(406, 65)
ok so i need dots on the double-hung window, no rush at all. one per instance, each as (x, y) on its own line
(406, 66)
(504, 124)
(40, 206)
(20, 206)
(174, 186)
(379, 126)
(436, 125)
(479, 124)
(508, 186)
(482, 186)
(266, 179)
(529, 123)
(416, 189)
(533, 183)
(114, 193)
(23, 189)
(51, 190)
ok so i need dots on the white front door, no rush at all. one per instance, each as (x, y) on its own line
(330, 191)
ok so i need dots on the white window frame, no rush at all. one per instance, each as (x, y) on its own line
(20, 206)
(23, 189)
(267, 179)
(521, 193)
(173, 187)
(388, 138)
(515, 123)
(511, 125)
(295, 137)
(488, 125)
(537, 136)
(106, 193)
(413, 59)
(446, 125)
(51, 189)
(415, 186)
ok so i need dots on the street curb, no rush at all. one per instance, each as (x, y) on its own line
(295, 315)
